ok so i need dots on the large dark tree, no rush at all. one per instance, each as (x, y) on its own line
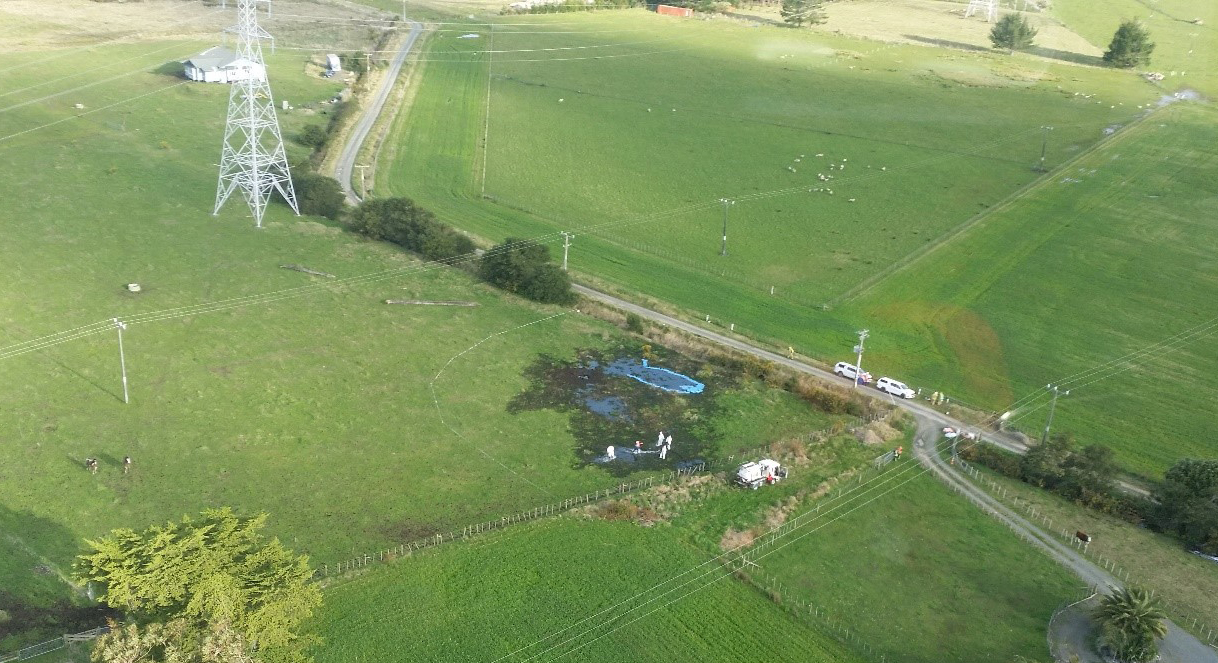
(206, 589)
(1188, 503)
(1012, 32)
(1130, 47)
(401, 221)
(318, 195)
(524, 268)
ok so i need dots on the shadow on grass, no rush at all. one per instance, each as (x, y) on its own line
(37, 604)
(106, 390)
(1051, 53)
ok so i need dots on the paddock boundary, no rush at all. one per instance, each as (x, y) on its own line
(406, 549)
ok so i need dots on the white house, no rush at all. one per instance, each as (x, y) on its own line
(220, 65)
(333, 63)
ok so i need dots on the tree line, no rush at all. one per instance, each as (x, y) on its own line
(519, 266)
(1184, 505)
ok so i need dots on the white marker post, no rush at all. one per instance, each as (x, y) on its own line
(122, 359)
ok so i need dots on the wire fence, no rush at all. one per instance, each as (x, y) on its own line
(1058, 650)
(746, 569)
(53, 645)
(1180, 614)
(689, 468)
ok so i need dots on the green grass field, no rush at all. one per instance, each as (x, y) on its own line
(566, 589)
(571, 145)
(924, 576)
(1187, 582)
(354, 424)
(1110, 257)
(915, 573)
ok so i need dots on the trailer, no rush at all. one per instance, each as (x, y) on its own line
(760, 473)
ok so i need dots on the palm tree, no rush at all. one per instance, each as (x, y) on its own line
(1130, 622)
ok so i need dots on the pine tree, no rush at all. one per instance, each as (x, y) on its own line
(798, 12)
(1012, 32)
(211, 586)
(1130, 47)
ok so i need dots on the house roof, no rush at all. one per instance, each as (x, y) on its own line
(216, 57)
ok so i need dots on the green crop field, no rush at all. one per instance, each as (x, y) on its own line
(627, 128)
(924, 576)
(579, 589)
(567, 589)
(1113, 256)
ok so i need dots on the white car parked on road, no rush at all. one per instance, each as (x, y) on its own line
(888, 385)
(851, 371)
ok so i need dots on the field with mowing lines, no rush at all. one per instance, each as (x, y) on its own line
(1110, 257)
(629, 135)
(561, 590)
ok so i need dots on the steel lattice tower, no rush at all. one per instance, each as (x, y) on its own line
(253, 158)
(990, 7)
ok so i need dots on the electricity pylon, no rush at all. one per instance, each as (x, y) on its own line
(253, 158)
(988, 7)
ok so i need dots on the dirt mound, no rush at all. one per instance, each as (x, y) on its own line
(877, 433)
(733, 539)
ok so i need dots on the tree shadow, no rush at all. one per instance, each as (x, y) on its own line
(36, 552)
(1067, 56)
(947, 43)
(1041, 51)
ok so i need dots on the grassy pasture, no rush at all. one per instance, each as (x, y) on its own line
(1185, 52)
(339, 415)
(731, 109)
(926, 577)
(1111, 256)
(1189, 582)
(918, 574)
(748, 101)
(528, 589)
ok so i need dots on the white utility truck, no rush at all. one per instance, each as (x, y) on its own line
(760, 473)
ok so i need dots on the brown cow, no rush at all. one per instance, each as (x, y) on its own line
(1082, 536)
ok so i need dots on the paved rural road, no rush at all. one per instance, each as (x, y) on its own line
(1179, 646)
(359, 133)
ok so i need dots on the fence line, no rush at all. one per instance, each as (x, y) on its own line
(699, 467)
(1183, 619)
(53, 645)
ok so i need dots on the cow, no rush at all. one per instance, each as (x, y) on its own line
(1082, 536)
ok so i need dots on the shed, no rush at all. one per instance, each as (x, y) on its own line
(333, 63)
(220, 65)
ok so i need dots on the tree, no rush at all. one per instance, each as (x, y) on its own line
(1089, 474)
(318, 195)
(1188, 503)
(1043, 464)
(312, 135)
(524, 268)
(1012, 32)
(1130, 47)
(1130, 622)
(211, 589)
(401, 221)
(798, 12)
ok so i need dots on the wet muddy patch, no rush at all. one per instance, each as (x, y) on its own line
(618, 398)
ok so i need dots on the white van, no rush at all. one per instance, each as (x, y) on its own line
(851, 371)
(890, 386)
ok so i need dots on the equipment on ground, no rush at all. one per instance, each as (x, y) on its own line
(759, 473)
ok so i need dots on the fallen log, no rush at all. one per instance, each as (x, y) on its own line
(306, 270)
(425, 302)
